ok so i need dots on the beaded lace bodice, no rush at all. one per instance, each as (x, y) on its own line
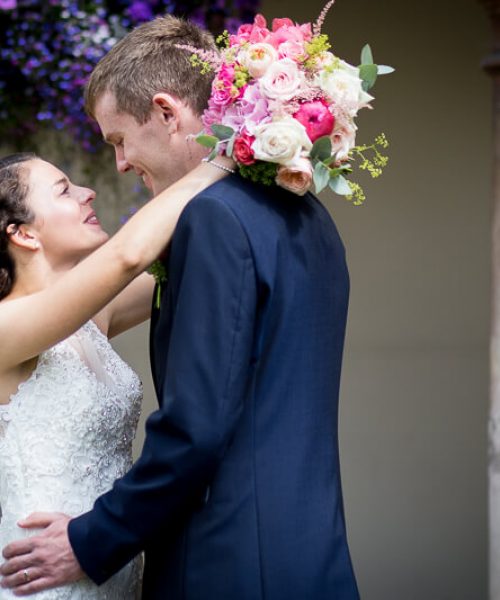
(65, 437)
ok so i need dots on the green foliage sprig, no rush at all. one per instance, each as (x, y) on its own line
(159, 272)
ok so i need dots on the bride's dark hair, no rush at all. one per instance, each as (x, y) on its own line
(13, 211)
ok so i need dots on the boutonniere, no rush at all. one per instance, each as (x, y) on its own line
(158, 271)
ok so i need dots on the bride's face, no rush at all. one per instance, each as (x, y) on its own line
(65, 222)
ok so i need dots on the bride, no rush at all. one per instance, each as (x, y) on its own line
(68, 404)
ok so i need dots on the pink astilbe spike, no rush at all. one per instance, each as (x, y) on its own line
(212, 57)
(321, 19)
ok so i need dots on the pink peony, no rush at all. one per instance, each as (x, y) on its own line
(260, 21)
(242, 151)
(316, 118)
(290, 33)
(296, 178)
(242, 36)
(277, 23)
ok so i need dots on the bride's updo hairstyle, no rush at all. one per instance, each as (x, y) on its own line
(13, 211)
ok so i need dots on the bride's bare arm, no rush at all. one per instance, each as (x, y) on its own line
(31, 324)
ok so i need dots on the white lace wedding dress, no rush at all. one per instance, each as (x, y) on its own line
(65, 436)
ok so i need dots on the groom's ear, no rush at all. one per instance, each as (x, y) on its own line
(167, 109)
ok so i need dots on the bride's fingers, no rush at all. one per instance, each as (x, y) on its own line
(39, 519)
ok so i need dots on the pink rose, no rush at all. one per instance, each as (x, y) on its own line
(296, 178)
(223, 90)
(242, 151)
(222, 96)
(316, 118)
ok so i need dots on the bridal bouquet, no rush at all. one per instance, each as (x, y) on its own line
(283, 106)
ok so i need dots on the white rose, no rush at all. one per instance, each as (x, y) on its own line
(282, 81)
(257, 58)
(344, 87)
(281, 142)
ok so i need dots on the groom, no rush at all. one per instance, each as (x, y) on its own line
(236, 495)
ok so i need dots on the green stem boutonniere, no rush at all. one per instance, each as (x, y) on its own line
(158, 271)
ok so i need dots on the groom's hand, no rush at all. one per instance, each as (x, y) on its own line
(41, 562)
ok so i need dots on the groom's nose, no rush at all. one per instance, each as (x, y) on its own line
(122, 165)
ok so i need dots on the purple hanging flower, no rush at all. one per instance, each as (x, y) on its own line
(8, 4)
(140, 11)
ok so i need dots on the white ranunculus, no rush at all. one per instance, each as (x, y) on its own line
(281, 142)
(344, 87)
(257, 58)
(282, 81)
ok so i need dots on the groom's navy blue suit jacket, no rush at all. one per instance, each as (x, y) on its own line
(237, 493)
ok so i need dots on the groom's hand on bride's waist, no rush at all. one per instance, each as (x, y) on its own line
(43, 561)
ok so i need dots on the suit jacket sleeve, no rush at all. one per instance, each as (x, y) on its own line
(213, 294)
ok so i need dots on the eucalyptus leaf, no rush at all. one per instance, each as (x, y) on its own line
(208, 141)
(222, 132)
(212, 154)
(340, 171)
(322, 148)
(230, 146)
(340, 186)
(368, 74)
(321, 176)
(384, 70)
(366, 55)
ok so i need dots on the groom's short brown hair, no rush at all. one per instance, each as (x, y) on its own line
(145, 62)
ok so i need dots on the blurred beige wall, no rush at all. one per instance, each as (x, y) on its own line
(415, 383)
